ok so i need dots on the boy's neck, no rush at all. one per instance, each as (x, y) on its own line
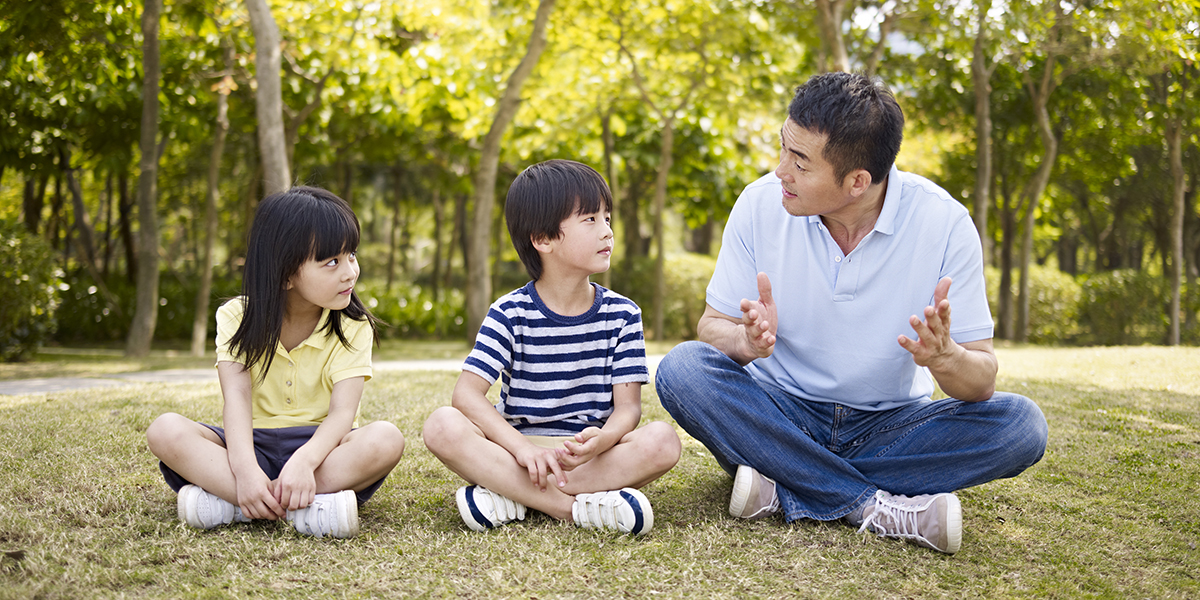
(568, 297)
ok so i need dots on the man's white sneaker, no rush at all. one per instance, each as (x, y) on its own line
(753, 496)
(482, 509)
(626, 510)
(334, 515)
(203, 510)
(931, 520)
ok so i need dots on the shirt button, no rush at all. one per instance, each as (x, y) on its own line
(289, 384)
(837, 259)
(291, 364)
(289, 400)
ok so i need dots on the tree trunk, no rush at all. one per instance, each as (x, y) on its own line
(479, 284)
(269, 98)
(610, 173)
(125, 223)
(106, 260)
(665, 159)
(394, 232)
(1008, 228)
(829, 14)
(1033, 191)
(1175, 151)
(86, 235)
(439, 219)
(33, 201)
(981, 75)
(458, 239)
(211, 199)
(141, 330)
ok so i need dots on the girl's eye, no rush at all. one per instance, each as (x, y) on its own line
(333, 262)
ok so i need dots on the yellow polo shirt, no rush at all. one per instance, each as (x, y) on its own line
(297, 389)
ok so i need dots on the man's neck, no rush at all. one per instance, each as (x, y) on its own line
(849, 226)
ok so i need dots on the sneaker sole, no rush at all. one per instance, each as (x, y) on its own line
(742, 482)
(348, 516)
(182, 501)
(953, 525)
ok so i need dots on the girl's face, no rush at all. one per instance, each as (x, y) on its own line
(324, 283)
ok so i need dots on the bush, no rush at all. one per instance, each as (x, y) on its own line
(686, 277)
(30, 299)
(86, 317)
(410, 312)
(1124, 307)
(1053, 303)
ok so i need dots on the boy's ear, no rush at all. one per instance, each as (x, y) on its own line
(541, 243)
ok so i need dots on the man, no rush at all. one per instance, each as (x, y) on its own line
(817, 395)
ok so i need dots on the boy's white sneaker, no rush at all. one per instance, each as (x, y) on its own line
(482, 509)
(333, 514)
(754, 495)
(931, 520)
(203, 510)
(626, 510)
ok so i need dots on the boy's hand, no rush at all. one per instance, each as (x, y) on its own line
(541, 462)
(585, 447)
(256, 496)
(296, 487)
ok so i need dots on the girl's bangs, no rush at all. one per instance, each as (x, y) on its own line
(333, 232)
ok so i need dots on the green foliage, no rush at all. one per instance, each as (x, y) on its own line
(86, 317)
(30, 299)
(1124, 307)
(410, 311)
(687, 277)
(1053, 303)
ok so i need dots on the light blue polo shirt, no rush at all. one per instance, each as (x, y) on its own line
(840, 315)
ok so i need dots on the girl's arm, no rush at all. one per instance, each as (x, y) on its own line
(297, 486)
(470, 398)
(594, 441)
(254, 493)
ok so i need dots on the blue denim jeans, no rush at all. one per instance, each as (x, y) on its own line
(828, 459)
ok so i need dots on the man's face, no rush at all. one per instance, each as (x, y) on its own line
(809, 185)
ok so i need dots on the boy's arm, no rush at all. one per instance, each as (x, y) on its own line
(297, 486)
(254, 491)
(470, 398)
(594, 441)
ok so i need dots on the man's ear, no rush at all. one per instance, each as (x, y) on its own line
(857, 182)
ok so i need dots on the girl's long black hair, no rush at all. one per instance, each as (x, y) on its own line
(289, 229)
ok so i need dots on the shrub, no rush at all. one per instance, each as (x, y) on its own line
(686, 276)
(1124, 307)
(1053, 303)
(410, 312)
(29, 303)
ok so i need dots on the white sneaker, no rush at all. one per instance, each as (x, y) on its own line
(931, 520)
(626, 510)
(753, 496)
(203, 510)
(334, 515)
(482, 509)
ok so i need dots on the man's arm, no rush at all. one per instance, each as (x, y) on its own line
(751, 337)
(964, 371)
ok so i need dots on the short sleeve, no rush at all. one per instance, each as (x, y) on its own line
(229, 317)
(629, 360)
(355, 361)
(493, 350)
(735, 276)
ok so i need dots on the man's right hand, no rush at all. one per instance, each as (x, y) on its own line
(760, 321)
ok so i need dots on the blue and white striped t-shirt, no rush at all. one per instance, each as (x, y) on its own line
(558, 372)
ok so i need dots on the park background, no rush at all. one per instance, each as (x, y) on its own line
(137, 137)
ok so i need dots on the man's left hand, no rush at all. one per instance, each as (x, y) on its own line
(933, 344)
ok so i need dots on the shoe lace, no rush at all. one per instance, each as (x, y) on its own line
(892, 519)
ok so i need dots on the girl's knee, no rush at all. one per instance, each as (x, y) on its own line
(388, 441)
(165, 430)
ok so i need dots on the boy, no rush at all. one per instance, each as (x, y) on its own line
(564, 438)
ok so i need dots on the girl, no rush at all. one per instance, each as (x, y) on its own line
(293, 352)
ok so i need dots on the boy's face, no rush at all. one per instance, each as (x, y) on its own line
(585, 245)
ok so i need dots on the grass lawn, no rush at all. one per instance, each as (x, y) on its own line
(1110, 512)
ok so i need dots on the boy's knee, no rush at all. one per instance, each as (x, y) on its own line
(441, 429)
(663, 447)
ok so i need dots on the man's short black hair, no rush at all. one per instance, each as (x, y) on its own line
(542, 197)
(861, 118)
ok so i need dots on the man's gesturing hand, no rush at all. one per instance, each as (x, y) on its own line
(933, 344)
(760, 320)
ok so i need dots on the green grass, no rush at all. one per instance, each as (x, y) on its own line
(1110, 512)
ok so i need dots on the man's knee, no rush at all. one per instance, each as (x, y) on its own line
(1026, 431)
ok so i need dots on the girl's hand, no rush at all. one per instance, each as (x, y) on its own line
(296, 487)
(587, 445)
(541, 462)
(256, 496)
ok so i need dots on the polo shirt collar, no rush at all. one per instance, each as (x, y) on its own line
(318, 338)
